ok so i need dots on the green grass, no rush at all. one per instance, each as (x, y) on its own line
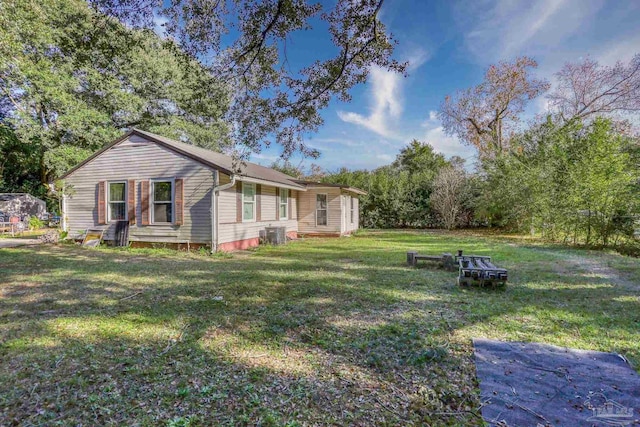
(318, 332)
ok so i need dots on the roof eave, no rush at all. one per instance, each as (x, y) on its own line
(291, 186)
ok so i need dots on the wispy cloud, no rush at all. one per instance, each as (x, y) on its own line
(448, 145)
(386, 103)
(386, 97)
(515, 27)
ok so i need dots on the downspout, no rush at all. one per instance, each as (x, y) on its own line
(214, 207)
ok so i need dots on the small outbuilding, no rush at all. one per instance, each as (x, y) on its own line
(21, 205)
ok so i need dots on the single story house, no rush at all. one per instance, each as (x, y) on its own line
(176, 193)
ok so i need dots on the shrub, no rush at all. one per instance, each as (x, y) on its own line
(35, 223)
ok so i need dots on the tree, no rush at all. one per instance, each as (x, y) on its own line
(244, 43)
(588, 89)
(72, 80)
(287, 167)
(450, 193)
(419, 157)
(487, 115)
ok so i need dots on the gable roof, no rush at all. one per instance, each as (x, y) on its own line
(219, 161)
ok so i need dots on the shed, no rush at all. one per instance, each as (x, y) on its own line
(22, 205)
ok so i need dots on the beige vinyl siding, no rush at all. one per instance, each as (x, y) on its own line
(293, 200)
(269, 204)
(230, 231)
(352, 226)
(307, 211)
(138, 159)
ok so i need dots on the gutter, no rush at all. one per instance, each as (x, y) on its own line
(214, 207)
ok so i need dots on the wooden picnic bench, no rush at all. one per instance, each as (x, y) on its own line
(445, 260)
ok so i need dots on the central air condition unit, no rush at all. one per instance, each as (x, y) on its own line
(276, 235)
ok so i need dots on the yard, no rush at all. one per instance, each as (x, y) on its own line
(319, 332)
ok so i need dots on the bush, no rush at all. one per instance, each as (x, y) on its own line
(35, 223)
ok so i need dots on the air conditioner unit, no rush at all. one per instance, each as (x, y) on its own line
(276, 235)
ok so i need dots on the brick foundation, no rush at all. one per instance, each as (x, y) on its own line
(239, 245)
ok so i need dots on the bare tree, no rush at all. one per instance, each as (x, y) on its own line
(486, 115)
(449, 195)
(588, 89)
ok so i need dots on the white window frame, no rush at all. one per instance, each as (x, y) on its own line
(125, 202)
(352, 209)
(285, 192)
(246, 185)
(326, 195)
(152, 200)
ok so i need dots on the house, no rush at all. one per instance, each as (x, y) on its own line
(21, 205)
(166, 189)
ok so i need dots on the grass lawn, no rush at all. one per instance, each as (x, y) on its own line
(318, 332)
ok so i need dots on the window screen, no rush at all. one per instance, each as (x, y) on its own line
(321, 209)
(162, 201)
(284, 203)
(117, 201)
(248, 201)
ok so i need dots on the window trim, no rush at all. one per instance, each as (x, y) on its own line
(352, 208)
(152, 201)
(246, 185)
(326, 195)
(125, 201)
(285, 204)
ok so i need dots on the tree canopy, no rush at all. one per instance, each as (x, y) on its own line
(244, 43)
(72, 80)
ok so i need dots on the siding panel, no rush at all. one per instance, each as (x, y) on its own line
(138, 159)
(307, 211)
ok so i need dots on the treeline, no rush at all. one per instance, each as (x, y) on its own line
(571, 175)
(577, 183)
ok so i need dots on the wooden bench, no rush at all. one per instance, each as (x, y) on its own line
(445, 260)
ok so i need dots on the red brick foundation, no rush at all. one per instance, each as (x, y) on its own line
(175, 246)
(239, 245)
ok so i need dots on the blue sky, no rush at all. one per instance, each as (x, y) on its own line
(449, 45)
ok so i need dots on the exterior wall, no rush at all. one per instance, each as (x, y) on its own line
(349, 225)
(234, 235)
(138, 159)
(307, 212)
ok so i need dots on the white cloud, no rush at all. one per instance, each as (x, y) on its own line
(618, 50)
(385, 100)
(328, 142)
(516, 27)
(441, 142)
(387, 158)
(417, 58)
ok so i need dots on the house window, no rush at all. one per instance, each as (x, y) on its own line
(284, 203)
(352, 208)
(321, 209)
(117, 201)
(162, 205)
(248, 202)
